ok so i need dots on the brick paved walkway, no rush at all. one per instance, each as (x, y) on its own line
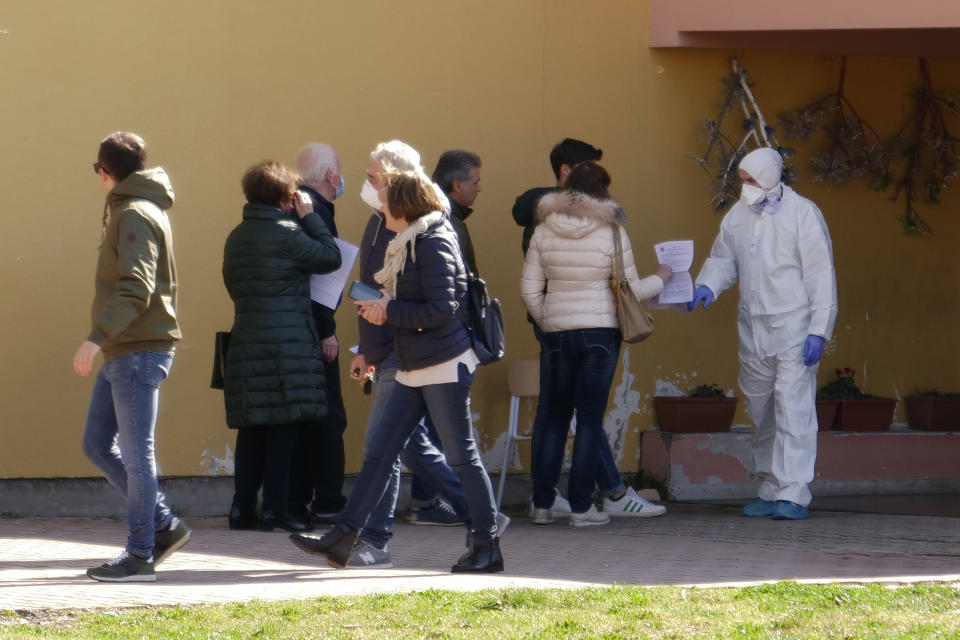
(42, 560)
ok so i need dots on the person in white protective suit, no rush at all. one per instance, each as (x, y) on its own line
(777, 244)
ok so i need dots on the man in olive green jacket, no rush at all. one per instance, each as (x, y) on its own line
(134, 325)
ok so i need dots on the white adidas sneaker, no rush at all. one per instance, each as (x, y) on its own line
(631, 505)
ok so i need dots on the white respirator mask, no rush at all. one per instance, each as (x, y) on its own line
(752, 195)
(370, 195)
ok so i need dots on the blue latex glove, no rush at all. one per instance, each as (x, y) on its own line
(702, 294)
(812, 350)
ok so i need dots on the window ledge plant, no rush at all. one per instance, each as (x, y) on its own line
(855, 410)
(704, 409)
(933, 410)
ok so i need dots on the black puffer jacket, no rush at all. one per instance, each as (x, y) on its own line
(274, 373)
(429, 292)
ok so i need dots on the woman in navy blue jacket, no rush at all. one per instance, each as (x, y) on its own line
(424, 283)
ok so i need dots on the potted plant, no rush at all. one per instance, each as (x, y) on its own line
(856, 410)
(705, 408)
(934, 411)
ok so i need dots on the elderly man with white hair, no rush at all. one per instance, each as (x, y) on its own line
(318, 470)
(776, 243)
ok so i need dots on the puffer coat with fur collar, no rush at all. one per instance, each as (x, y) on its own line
(566, 272)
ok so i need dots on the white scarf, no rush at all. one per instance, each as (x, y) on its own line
(396, 254)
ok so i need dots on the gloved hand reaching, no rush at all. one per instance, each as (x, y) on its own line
(812, 350)
(702, 294)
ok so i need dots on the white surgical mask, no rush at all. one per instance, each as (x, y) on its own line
(370, 195)
(752, 195)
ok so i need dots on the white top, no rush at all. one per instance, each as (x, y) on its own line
(443, 373)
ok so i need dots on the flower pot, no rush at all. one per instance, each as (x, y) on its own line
(826, 413)
(933, 413)
(865, 414)
(694, 415)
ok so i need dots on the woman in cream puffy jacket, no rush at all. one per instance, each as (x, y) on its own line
(566, 288)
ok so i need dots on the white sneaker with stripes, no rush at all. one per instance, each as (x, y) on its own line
(631, 505)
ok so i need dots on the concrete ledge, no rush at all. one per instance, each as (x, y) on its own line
(194, 496)
(716, 466)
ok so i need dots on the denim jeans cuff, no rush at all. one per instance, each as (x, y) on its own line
(620, 488)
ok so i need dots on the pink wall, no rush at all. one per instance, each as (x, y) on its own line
(922, 28)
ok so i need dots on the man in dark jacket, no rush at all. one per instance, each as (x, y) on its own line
(563, 158)
(134, 326)
(458, 174)
(318, 470)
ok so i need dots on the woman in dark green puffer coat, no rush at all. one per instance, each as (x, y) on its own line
(273, 380)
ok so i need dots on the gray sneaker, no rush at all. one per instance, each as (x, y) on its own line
(367, 556)
(124, 568)
(170, 539)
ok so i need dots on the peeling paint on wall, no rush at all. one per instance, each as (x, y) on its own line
(626, 402)
(215, 465)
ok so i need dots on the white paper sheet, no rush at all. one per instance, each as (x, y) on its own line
(678, 255)
(328, 287)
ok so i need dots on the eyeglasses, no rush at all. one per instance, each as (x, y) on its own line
(97, 167)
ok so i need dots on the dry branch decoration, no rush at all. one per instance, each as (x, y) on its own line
(723, 154)
(853, 148)
(928, 154)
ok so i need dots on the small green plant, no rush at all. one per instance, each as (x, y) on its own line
(706, 391)
(843, 388)
(933, 393)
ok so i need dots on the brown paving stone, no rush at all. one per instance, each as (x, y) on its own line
(43, 560)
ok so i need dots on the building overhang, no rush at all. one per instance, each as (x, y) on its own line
(920, 28)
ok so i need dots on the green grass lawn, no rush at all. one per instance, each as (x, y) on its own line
(783, 610)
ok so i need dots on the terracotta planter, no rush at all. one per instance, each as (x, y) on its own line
(865, 414)
(826, 413)
(694, 415)
(933, 413)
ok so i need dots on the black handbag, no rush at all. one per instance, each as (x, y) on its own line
(483, 319)
(221, 344)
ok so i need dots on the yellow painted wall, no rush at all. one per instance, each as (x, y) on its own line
(215, 86)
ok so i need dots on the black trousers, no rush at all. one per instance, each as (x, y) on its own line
(264, 456)
(318, 464)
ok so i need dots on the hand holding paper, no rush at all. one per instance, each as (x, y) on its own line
(678, 255)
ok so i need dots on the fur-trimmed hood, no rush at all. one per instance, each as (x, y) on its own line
(575, 215)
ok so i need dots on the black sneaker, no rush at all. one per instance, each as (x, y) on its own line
(124, 568)
(324, 518)
(438, 514)
(170, 539)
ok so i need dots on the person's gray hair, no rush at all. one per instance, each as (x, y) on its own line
(315, 161)
(396, 155)
(454, 165)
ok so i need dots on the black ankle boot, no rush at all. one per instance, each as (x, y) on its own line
(335, 545)
(482, 558)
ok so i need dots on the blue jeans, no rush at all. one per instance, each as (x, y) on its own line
(609, 481)
(422, 493)
(579, 372)
(419, 454)
(400, 416)
(119, 439)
